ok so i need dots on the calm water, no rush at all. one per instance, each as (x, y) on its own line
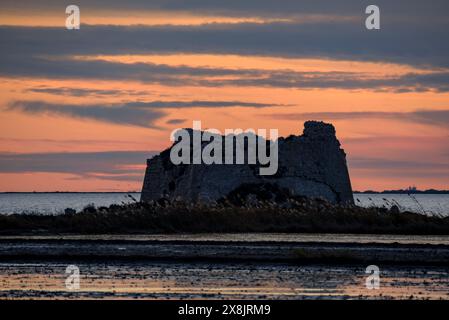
(431, 204)
(54, 203)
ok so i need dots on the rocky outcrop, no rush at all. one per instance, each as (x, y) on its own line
(311, 165)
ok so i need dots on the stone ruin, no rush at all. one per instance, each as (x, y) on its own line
(311, 165)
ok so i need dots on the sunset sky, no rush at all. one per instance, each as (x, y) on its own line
(82, 110)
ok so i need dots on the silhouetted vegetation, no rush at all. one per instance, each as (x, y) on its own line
(228, 215)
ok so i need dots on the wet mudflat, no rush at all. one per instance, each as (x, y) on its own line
(203, 280)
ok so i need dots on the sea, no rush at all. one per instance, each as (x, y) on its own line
(56, 203)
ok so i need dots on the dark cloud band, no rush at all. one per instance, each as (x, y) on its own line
(111, 164)
(424, 45)
(238, 8)
(142, 114)
(438, 118)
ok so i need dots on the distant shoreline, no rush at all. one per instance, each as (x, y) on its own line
(81, 192)
(430, 191)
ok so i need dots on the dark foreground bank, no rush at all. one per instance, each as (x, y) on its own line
(292, 216)
(302, 250)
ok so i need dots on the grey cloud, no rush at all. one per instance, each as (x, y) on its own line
(68, 143)
(142, 114)
(44, 52)
(432, 117)
(238, 8)
(213, 77)
(21, 65)
(77, 163)
(410, 82)
(397, 168)
(438, 118)
(426, 45)
(394, 164)
(176, 121)
(116, 115)
(82, 92)
(110, 177)
(440, 141)
(199, 104)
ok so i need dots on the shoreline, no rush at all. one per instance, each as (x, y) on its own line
(246, 237)
(387, 192)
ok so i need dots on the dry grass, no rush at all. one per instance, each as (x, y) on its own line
(305, 215)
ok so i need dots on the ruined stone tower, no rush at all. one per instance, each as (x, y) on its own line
(311, 164)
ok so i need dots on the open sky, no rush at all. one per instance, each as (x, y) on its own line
(81, 110)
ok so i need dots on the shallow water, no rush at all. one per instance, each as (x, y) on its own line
(160, 280)
(55, 203)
